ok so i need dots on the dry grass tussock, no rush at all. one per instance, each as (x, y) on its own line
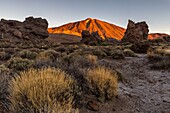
(48, 55)
(42, 91)
(103, 82)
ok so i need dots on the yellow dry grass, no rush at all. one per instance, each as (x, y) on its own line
(103, 82)
(91, 58)
(44, 91)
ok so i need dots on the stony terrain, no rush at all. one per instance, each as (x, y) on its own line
(142, 90)
(139, 69)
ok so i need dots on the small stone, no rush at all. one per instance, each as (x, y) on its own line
(113, 109)
(92, 105)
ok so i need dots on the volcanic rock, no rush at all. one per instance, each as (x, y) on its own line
(30, 29)
(90, 39)
(136, 32)
(92, 105)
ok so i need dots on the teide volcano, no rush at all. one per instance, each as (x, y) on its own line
(105, 30)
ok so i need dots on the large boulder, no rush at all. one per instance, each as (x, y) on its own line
(136, 32)
(90, 39)
(30, 29)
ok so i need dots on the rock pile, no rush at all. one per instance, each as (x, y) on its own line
(136, 32)
(30, 29)
(91, 39)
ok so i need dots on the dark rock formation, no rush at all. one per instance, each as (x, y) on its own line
(90, 39)
(136, 32)
(140, 47)
(30, 29)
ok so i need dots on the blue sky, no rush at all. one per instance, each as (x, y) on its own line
(155, 12)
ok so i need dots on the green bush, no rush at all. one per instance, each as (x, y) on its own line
(28, 54)
(19, 64)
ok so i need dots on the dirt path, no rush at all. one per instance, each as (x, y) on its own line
(149, 90)
(142, 90)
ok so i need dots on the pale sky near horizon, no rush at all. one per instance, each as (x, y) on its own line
(58, 12)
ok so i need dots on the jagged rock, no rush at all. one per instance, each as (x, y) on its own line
(136, 32)
(17, 33)
(30, 29)
(90, 39)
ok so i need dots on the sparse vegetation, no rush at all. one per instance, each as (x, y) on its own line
(46, 74)
(103, 82)
(129, 53)
(117, 54)
(28, 54)
(4, 56)
(19, 64)
(47, 90)
(48, 55)
(160, 56)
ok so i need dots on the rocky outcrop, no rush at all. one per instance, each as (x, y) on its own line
(90, 39)
(30, 29)
(136, 32)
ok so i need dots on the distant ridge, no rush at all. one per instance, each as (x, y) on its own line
(152, 36)
(104, 29)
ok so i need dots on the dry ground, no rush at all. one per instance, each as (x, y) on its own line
(142, 90)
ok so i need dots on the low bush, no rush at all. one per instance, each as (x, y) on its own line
(48, 55)
(91, 58)
(47, 90)
(19, 64)
(28, 54)
(5, 77)
(129, 53)
(117, 54)
(103, 82)
(4, 56)
(99, 52)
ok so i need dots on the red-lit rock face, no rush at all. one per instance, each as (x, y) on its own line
(104, 29)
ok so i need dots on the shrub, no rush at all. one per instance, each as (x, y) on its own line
(129, 53)
(91, 58)
(117, 54)
(102, 82)
(19, 64)
(62, 49)
(28, 54)
(4, 56)
(11, 51)
(4, 79)
(48, 55)
(42, 91)
(158, 53)
(70, 58)
(99, 52)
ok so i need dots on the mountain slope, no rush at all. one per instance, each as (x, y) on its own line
(152, 36)
(104, 29)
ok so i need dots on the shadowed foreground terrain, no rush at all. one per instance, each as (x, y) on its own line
(41, 74)
(143, 83)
